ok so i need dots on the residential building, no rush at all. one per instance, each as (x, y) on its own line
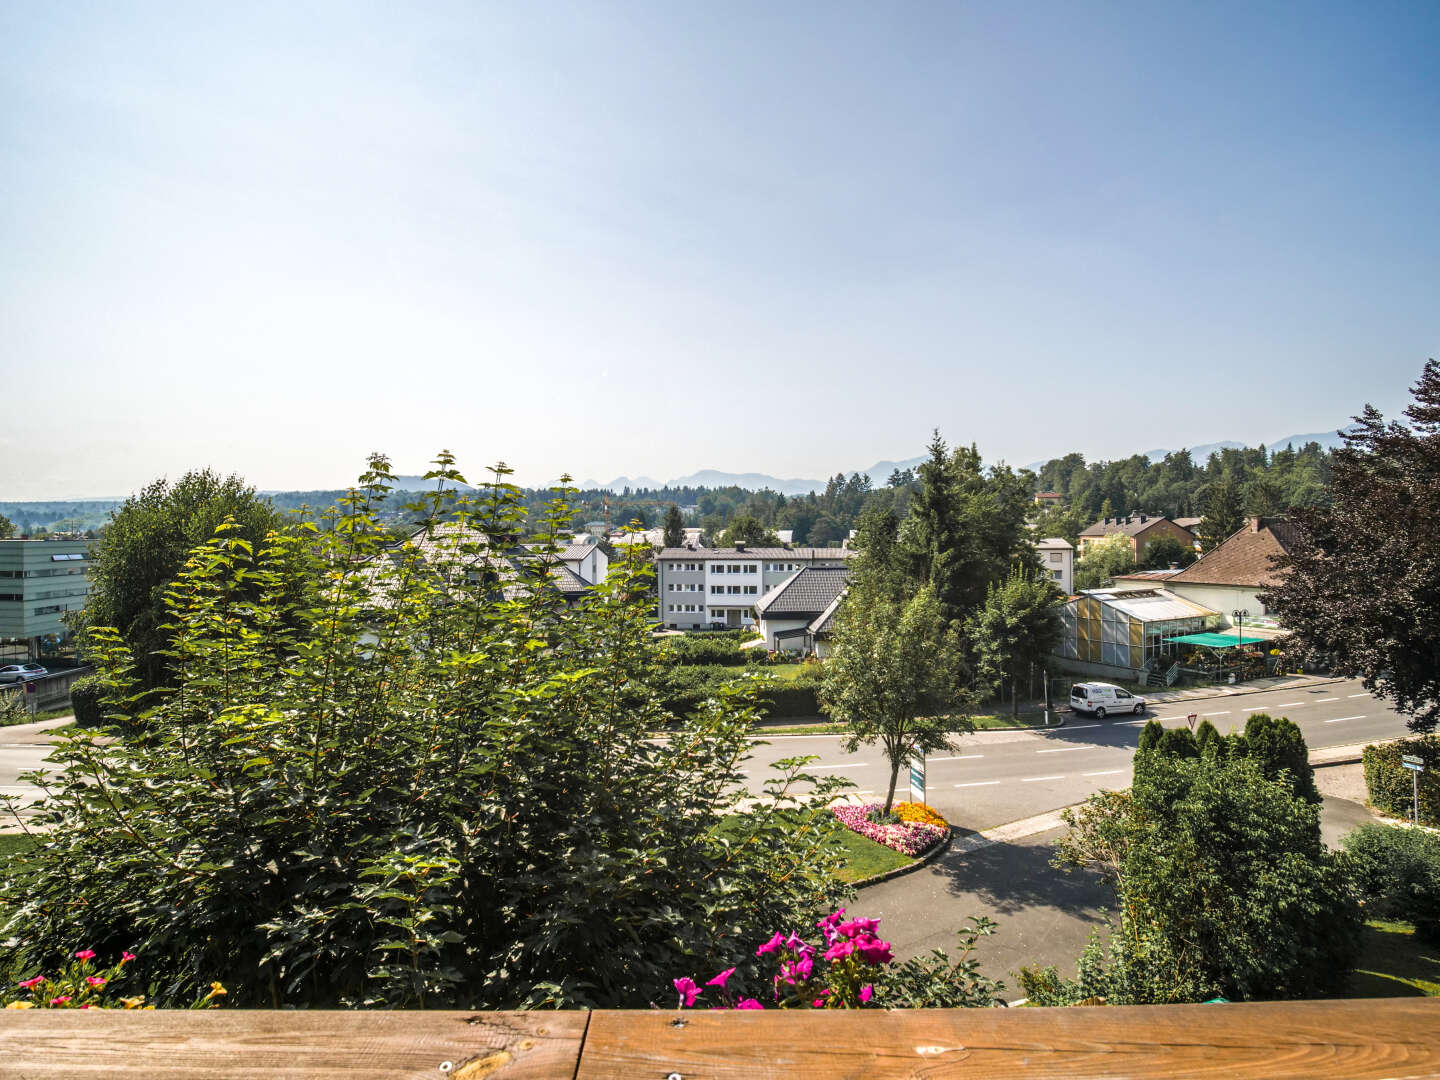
(1236, 574)
(792, 613)
(1140, 529)
(1057, 560)
(718, 587)
(586, 558)
(41, 580)
(1047, 498)
(1114, 633)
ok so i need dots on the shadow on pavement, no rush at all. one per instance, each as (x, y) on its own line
(1011, 878)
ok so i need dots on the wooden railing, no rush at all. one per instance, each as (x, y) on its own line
(1265, 1041)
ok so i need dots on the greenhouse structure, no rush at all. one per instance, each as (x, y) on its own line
(1123, 629)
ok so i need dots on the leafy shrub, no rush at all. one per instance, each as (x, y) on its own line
(1390, 785)
(706, 649)
(12, 707)
(409, 775)
(1396, 872)
(85, 699)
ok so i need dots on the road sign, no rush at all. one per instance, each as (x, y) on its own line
(1414, 766)
(917, 778)
(1190, 719)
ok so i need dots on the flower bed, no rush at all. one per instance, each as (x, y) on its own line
(908, 838)
(912, 812)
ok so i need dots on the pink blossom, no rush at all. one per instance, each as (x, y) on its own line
(85, 954)
(771, 945)
(59, 1000)
(911, 838)
(866, 993)
(126, 957)
(839, 950)
(688, 991)
(795, 943)
(719, 980)
(856, 927)
(874, 951)
(748, 1003)
(95, 980)
(29, 983)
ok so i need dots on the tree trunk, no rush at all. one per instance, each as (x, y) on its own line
(1015, 699)
(894, 776)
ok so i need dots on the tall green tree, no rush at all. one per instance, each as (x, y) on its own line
(896, 675)
(1362, 588)
(674, 527)
(1224, 514)
(145, 546)
(1103, 560)
(1224, 887)
(1015, 631)
(748, 529)
(411, 775)
(7, 527)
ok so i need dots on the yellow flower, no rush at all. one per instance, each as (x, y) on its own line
(216, 989)
(21, 1005)
(133, 1003)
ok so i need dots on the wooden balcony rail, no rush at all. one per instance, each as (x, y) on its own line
(1265, 1041)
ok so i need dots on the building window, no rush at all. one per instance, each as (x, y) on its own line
(1055, 556)
(1056, 574)
(717, 588)
(751, 589)
(751, 568)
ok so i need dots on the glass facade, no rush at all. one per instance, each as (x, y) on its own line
(1099, 632)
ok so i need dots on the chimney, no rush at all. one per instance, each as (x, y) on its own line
(1254, 524)
(1142, 519)
(739, 545)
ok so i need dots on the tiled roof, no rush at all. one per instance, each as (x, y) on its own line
(568, 582)
(808, 593)
(1054, 543)
(1245, 558)
(1191, 523)
(825, 621)
(774, 553)
(1130, 526)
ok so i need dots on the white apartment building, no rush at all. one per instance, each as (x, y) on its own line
(702, 588)
(1057, 560)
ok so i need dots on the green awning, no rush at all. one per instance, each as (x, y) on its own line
(1215, 641)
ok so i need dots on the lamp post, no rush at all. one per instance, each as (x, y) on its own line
(1239, 616)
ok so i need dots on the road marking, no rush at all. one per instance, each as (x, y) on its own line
(1037, 779)
(1079, 727)
(1064, 749)
(980, 783)
(1340, 718)
(1357, 695)
(1107, 772)
(957, 757)
(1225, 713)
(1289, 704)
(1323, 700)
(1132, 723)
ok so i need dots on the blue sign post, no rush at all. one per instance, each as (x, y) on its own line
(917, 777)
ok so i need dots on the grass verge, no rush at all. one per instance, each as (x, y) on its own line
(863, 857)
(1393, 963)
(35, 718)
(983, 722)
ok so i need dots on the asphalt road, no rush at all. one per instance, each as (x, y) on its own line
(990, 778)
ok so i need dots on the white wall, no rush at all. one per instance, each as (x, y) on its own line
(1221, 598)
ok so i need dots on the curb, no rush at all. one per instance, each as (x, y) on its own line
(900, 871)
(1239, 689)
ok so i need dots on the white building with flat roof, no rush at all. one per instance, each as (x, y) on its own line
(704, 588)
(1057, 559)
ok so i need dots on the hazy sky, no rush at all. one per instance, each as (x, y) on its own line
(622, 238)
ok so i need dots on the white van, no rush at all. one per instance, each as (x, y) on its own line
(1099, 698)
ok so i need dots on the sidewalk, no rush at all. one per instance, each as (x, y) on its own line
(1255, 686)
(34, 734)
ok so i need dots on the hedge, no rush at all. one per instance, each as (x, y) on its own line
(686, 686)
(1396, 871)
(85, 700)
(1390, 784)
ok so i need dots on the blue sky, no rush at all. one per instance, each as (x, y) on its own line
(646, 239)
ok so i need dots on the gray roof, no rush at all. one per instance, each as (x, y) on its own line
(825, 621)
(1054, 542)
(805, 595)
(1130, 526)
(772, 553)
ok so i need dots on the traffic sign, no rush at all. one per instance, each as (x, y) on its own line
(917, 778)
(1415, 765)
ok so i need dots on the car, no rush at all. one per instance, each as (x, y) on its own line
(12, 673)
(1099, 698)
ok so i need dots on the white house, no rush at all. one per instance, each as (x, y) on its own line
(719, 587)
(1057, 558)
(792, 613)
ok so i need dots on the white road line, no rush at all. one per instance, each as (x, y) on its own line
(1289, 704)
(957, 757)
(1357, 695)
(1132, 723)
(1323, 700)
(1225, 713)
(1064, 749)
(1107, 772)
(980, 783)
(1079, 727)
(1036, 779)
(1340, 718)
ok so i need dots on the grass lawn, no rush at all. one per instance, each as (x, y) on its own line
(43, 714)
(784, 672)
(1393, 964)
(863, 856)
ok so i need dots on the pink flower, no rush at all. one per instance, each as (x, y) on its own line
(866, 993)
(795, 943)
(859, 926)
(85, 954)
(874, 951)
(771, 945)
(95, 980)
(719, 980)
(748, 1003)
(688, 991)
(126, 957)
(59, 1000)
(29, 983)
(839, 950)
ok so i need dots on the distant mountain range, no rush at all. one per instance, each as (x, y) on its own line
(880, 472)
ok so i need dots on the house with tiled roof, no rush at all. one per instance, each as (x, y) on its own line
(1236, 574)
(1141, 530)
(702, 588)
(793, 613)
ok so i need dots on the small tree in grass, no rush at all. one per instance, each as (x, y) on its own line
(896, 674)
(1016, 629)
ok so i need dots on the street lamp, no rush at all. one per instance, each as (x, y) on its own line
(1239, 615)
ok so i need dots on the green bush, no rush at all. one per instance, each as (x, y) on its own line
(787, 699)
(1390, 784)
(85, 699)
(1396, 872)
(382, 777)
(705, 650)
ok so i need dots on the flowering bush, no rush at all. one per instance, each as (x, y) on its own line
(912, 812)
(906, 838)
(851, 968)
(81, 985)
